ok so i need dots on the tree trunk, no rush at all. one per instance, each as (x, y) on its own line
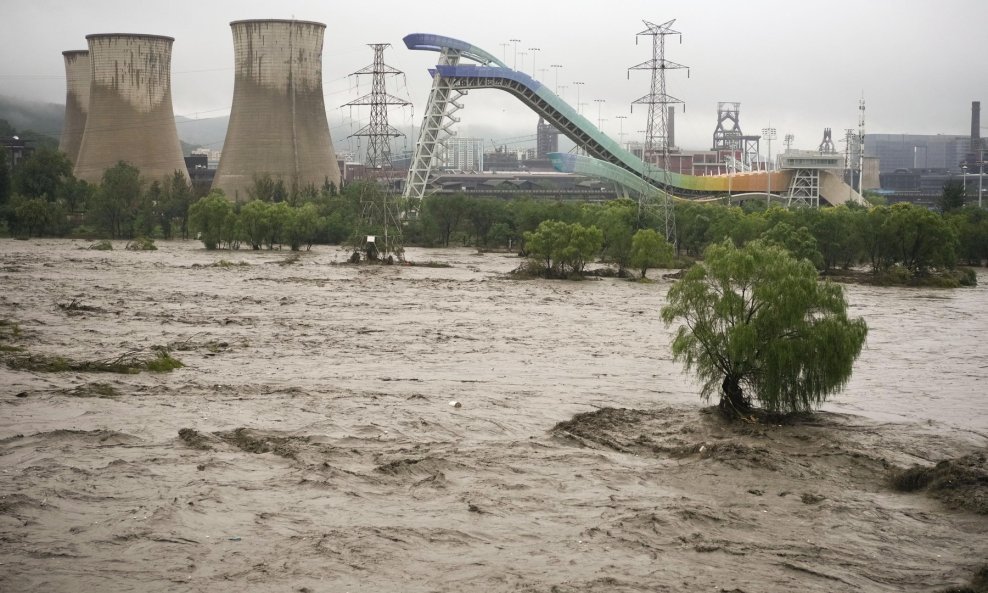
(733, 403)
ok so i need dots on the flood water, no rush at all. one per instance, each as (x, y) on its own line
(387, 485)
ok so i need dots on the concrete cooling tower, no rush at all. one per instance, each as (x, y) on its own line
(130, 108)
(278, 120)
(78, 76)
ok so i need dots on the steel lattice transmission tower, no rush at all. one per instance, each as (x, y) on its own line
(657, 141)
(378, 131)
(380, 213)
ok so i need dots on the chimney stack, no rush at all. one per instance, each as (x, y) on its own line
(975, 127)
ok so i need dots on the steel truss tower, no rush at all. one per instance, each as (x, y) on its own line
(728, 137)
(380, 212)
(430, 150)
(378, 131)
(827, 144)
(861, 141)
(657, 140)
(851, 152)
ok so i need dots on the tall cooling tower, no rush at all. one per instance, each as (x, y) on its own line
(278, 120)
(130, 108)
(78, 76)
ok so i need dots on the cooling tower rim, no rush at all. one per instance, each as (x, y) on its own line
(75, 52)
(130, 36)
(290, 21)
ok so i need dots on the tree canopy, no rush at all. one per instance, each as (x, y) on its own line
(649, 249)
(563, 248)
(757, 324)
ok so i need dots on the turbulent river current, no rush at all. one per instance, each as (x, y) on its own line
(372, 428)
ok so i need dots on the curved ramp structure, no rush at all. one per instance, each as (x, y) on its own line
(491, 73)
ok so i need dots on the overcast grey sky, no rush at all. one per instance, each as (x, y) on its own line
(799, 66)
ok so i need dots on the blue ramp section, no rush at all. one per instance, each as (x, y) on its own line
(437, 43)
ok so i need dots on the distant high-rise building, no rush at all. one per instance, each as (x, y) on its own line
(465, 154)
(547, 139)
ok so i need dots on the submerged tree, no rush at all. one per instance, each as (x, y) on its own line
(649, 249)
(759, 325)
(561, 248)
(213, 219)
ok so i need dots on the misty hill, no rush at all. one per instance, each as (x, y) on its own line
(43, 118)
(207, 132)
(46, 119)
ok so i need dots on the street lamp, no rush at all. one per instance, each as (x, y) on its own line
(769, 135)
(621, 130)
(556, 67)
(578, 85)
(600, 103)
(533, 50)
(516, 42)
(504, 51)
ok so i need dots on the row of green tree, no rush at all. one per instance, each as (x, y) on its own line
(41, 197)
(905, 236)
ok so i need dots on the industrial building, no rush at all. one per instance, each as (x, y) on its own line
(917, 151)
(278, 120)
(130, 108)
(546, 139)
(915, 168)
(78, 79)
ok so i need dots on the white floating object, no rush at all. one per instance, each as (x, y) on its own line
(455, 404)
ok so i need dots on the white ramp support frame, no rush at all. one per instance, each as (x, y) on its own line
(436, 129)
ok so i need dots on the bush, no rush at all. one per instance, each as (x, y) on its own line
(141, 244)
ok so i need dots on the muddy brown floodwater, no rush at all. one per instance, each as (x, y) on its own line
(321, 451)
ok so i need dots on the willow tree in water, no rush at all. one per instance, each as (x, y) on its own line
(758, 325)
